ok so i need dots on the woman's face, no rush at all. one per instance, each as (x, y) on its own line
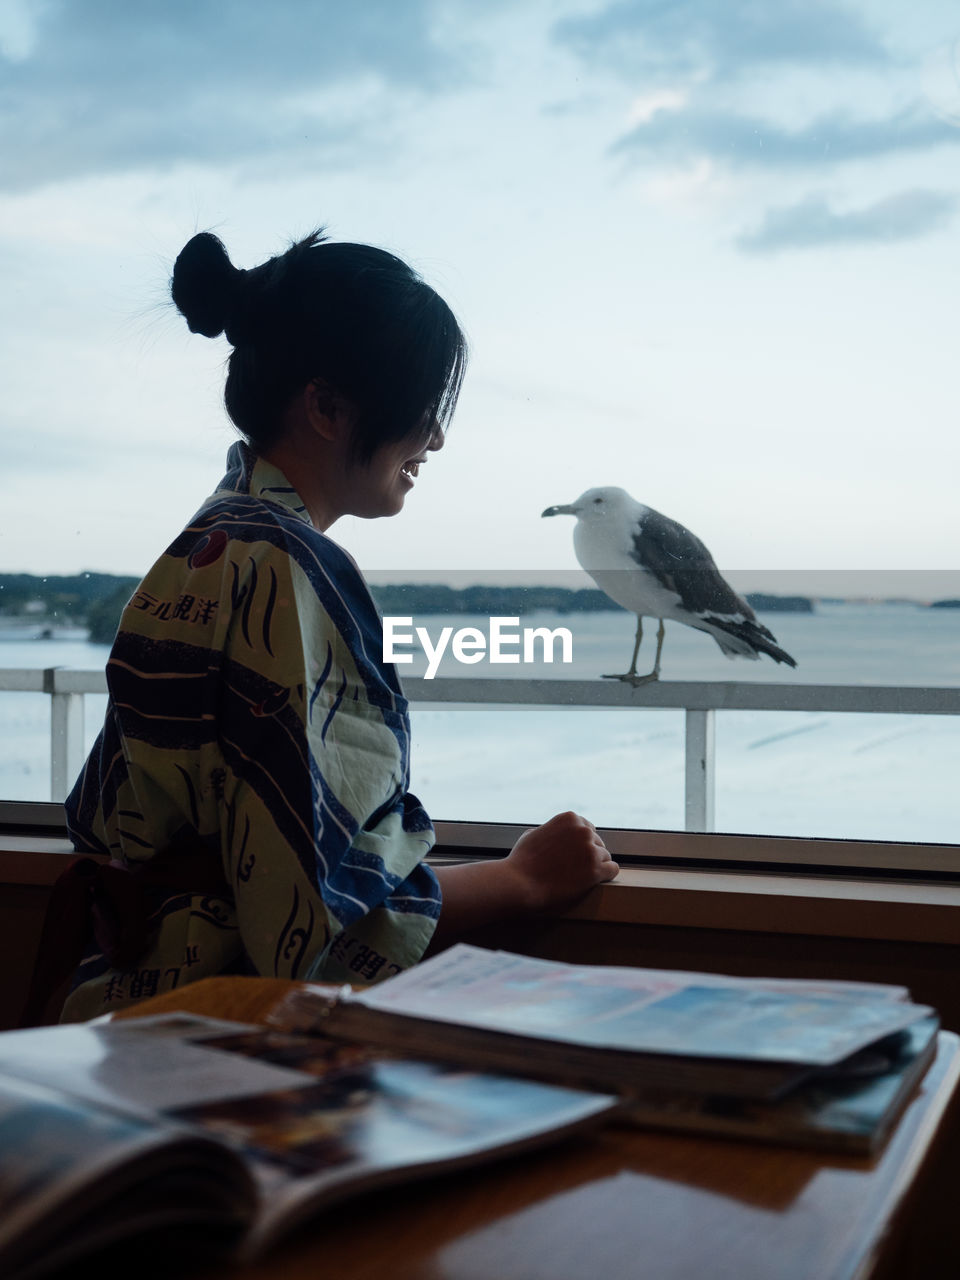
(378, 487)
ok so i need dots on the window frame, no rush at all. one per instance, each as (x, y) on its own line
(719, 850)
(681, 850)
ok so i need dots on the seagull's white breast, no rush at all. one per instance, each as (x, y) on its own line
(605, 542)
(604, 548)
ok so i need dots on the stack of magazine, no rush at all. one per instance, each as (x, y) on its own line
(813, 1063)
(233, 1134)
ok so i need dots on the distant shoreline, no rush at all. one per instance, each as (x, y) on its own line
(48, 605)
(30, 633)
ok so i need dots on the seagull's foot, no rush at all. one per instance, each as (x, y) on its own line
(631, 677)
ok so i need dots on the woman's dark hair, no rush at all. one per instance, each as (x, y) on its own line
(353, 316)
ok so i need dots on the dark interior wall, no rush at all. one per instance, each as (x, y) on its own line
(930, 970)
(22, 910)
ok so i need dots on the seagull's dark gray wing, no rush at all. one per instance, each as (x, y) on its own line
(681, 563)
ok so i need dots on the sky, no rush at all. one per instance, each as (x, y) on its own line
(707, 251)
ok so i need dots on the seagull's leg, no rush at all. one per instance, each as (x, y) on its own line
(636, 648)
(655, 673)
(631, 676)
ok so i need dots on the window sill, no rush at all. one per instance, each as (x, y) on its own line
(784, 904)
(33, 860)
(848, 907)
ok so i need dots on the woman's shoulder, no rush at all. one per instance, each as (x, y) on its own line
(254, 515)
(256, 533)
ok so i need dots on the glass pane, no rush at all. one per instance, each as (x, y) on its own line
(703, 253)
(485, 764)
(858, 777)
(804, 768)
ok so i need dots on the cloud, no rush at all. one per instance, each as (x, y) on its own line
(108, 86)
(811, 223)
(742, 141)
(719, 38)
(646, 105)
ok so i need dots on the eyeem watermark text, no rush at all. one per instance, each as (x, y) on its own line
(502, 642)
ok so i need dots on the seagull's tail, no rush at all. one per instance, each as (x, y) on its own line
(745, 638)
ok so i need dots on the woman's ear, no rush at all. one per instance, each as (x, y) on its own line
(327, 413)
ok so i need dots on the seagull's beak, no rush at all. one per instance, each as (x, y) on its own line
(560, 511)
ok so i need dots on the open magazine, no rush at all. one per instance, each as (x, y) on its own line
(230, 1133)
(628, 1030)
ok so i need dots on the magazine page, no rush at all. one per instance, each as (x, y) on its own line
(363, 1118)
(74, 1178)
(640, 1010)
(313, 1120)
(143, 1065)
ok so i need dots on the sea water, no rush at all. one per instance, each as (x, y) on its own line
(826, 774)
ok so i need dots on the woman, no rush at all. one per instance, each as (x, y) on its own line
(250, 782)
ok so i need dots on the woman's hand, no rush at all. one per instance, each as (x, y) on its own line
(549, 868)
(557, 863)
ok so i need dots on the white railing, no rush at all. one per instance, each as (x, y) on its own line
(66, 688)
(700, 700)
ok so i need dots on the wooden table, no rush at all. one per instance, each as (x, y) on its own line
(626, 1203)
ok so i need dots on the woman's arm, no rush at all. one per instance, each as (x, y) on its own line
(549, 868)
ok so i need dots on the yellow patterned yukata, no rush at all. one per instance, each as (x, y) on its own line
(250, 705)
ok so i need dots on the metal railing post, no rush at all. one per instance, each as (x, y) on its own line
(66, 736)
(699, 784)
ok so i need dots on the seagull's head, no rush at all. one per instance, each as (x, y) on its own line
(596, 504)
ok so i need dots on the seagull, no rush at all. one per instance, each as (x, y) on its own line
(656, 568)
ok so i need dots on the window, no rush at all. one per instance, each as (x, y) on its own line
(702, 252)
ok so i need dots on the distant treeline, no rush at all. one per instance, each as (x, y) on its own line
(764, 603)
(67, 597)
(92, 600)
(95, 600)
(420, 597)
(493, 601)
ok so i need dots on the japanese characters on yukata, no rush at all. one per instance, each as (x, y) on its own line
(364, 962)
(186, 608)
(142, 983)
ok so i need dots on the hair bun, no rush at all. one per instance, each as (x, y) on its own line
(206, 286)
